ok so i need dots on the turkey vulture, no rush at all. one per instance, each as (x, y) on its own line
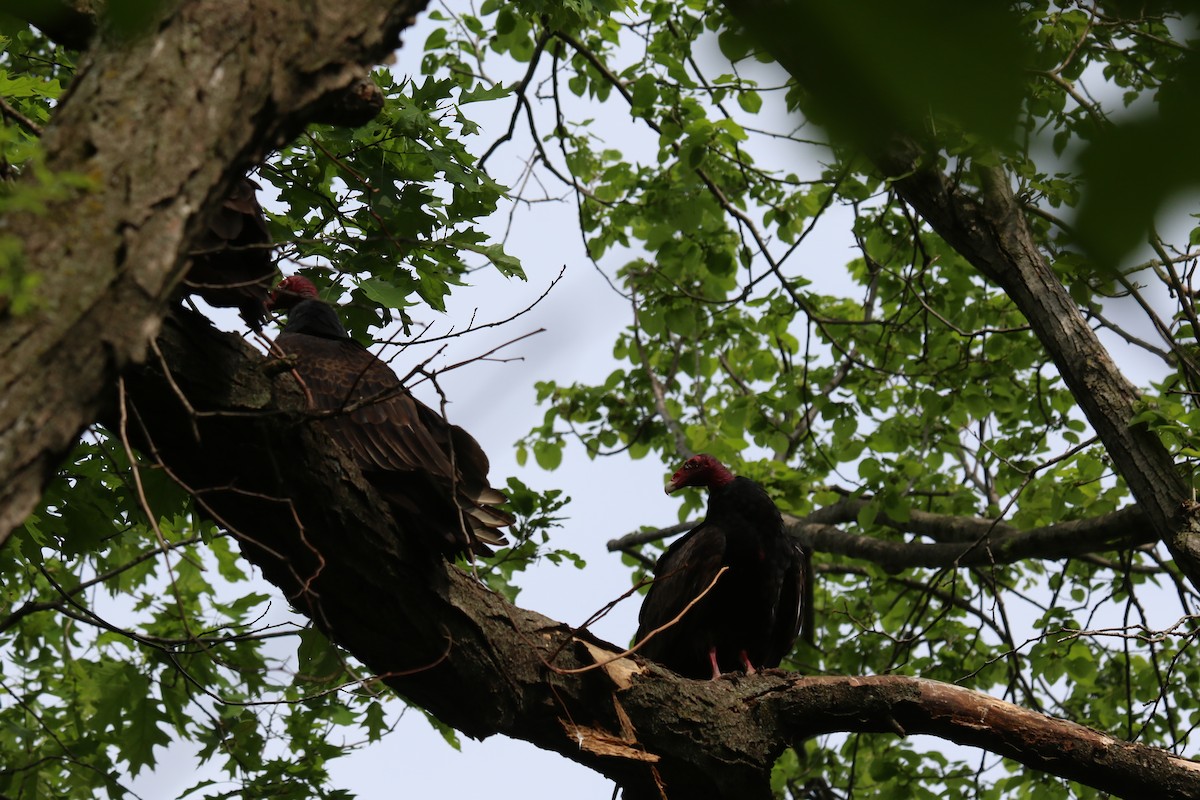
(433, 474)
(752, 615)
(231, 266)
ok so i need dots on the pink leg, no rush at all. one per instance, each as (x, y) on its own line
(750, 670)
(712, 659)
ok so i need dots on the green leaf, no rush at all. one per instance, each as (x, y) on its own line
(483, 94)
(547, 454)
(390, 295)
(750, 101)
(318, 659)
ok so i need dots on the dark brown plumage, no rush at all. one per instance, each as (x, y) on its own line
(231, 265)
(751, 617)
(432, 473)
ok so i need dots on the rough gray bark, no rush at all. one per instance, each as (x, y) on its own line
(484, 666)
(160, 127)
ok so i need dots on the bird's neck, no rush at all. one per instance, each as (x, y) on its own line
(747, 499)
(719, 476)
(315, 318)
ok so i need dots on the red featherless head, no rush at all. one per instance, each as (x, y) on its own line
(700, 470)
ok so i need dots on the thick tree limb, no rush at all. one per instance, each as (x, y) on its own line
(484, 666)
(913, 705)
(72, 24)
(160, 127)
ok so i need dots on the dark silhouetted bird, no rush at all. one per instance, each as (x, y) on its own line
(751, 617)
(231, 265)
(433, 474)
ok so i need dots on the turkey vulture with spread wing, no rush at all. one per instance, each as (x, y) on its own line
(433, 474)
(231, 265)
(752, 614)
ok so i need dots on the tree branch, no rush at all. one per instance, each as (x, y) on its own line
(909, 706)
(315, 528)
(958, 541)
(992, 233)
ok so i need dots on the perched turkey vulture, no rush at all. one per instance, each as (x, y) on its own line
(231, 266)
(752, 615)
(432, 473)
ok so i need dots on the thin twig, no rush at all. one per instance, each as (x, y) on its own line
(649, 636)
(151, 517)
(8, 112)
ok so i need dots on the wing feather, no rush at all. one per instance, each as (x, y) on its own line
(394, 436)
(684, 571)
(793, 607)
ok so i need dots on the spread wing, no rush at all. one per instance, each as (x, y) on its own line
(425, 465)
